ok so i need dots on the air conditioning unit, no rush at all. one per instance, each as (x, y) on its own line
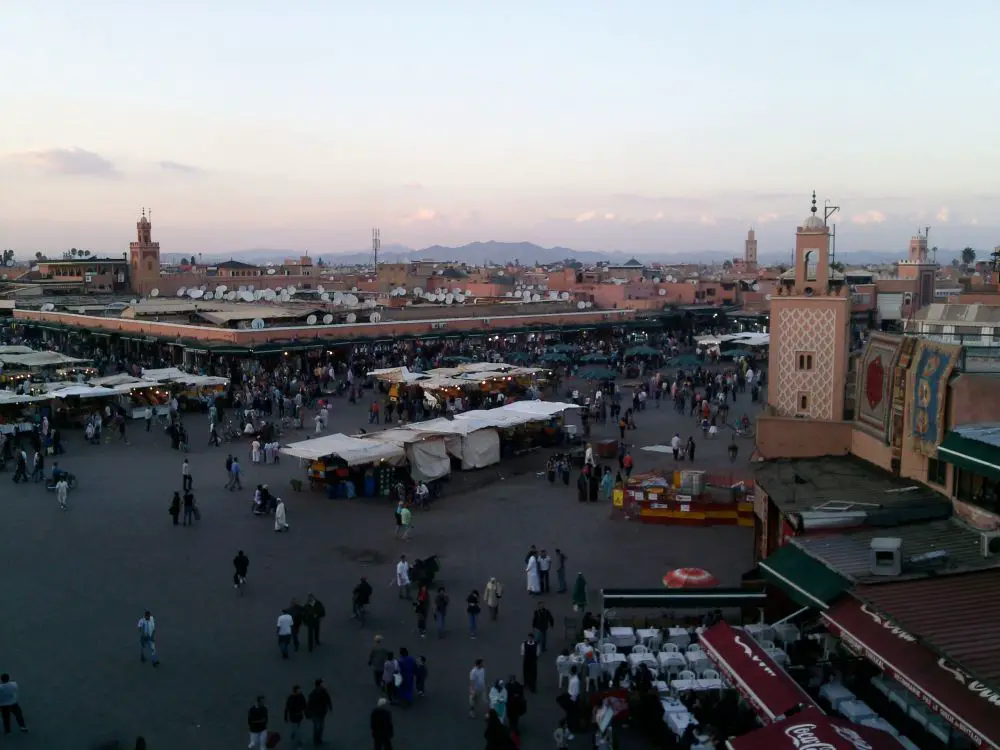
(88, 277)
(989, 543)
(436, 326)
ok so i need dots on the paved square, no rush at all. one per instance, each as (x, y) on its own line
(75, 583)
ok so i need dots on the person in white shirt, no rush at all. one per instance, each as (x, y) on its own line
(186, 474)
(573, 700)
(544, 563)
(403, 577)
(62, 491)
(477, 687)
(147, 638)
(285, 623)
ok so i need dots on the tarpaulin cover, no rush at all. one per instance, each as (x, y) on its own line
(810, 728)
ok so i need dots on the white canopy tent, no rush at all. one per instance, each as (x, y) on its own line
(397, 375)
(164, 374)
(83, 391)
(426, 454)
(352, 451)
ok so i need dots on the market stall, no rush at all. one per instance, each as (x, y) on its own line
(340, 464)
(683, 498)
(426, 454)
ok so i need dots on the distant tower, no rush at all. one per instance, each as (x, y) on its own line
(750, 251)
(920, 268)
(810, 330)
(376, 246)
(144, 258)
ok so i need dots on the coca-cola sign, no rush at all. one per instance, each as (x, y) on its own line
(805, 737)
(752, 656)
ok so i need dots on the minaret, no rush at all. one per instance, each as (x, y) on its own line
(144, 257)
(917, 267)
(750, 251)
(810, 330)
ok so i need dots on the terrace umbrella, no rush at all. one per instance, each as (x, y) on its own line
(642, 351)
(689, 578)
(597, 373)
(555, 357)
(595, 359)
(566, 348)
(685, 360)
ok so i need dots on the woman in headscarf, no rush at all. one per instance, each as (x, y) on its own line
(491, 597)
(580, 593)
(280, 520)
(588, 455)
(496, 734)
(594, 481)
(607, 484)
(498, 700)
(408, 672)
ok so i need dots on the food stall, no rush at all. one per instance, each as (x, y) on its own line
(683, 498)
(339, 464)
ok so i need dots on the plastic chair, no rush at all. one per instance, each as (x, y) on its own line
(767, 645)
(607, 647)
(582, 648)
(563, 665)
(594, 674)
(693, 647)
(640, 649)
(709, 674)
(670, 648)
(653, 644)
(686, 674)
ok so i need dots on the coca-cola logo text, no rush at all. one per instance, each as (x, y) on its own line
(803, 737)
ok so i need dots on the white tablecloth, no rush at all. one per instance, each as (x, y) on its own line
(855, 710)
(779, 656)
(680, 636)
(647, 634)
(682, 686)
(760, 632)
(622, 637)
(877, 722)
(590, 635)
(673, 706)
(786, 633)
(678, 722)
(635, 660)
(672, 658)
(610, 662)
(835, 694)
(697, 660)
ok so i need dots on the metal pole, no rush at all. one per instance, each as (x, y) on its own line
(600, 634)
(791, 616)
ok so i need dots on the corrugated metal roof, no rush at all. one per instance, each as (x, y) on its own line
(797, 485)
(988, 433)
(956, 615)
(850, 553)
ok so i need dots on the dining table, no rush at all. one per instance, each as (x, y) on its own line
(698, 686)
(835, 693)
(678, 636)
(622, 637)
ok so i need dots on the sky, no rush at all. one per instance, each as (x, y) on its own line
(653, 127)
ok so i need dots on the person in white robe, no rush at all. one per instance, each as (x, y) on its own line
(280, 520)
(255, 452)
(588, 456)
(531, 572)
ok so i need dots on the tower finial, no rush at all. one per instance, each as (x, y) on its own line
(813, 209)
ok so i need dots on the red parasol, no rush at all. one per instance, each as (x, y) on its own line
(689, 578)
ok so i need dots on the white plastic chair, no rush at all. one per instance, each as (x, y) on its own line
(693, 647)
(582, 648)
(709, 674)
(653, 644)
(609, 648)
(767, 645)
(594, 672)
(670, 648)
(563, 665)
(686, 674)
(640, 649)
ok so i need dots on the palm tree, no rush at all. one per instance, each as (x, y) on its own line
(968, 257)
(39, 256)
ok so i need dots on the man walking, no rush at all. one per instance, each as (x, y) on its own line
(147, 638)
(561, 571)
(234, 475)
(541, 622)
(319, 706)
(544, 563)
(477, 687)
(381, 724)
(257, 724)
(284, 632)
(9, 705)
(295, 712)
(186, 475)
(312, 614)
(440, 610)
(403, 577)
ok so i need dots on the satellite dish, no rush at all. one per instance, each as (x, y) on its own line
(564, 296)
(417, 291)
(324, 297)
(460, 298)
(327, 319)
(351, 300)
(449, 298)
(154, 293)
(209, 295)
(662, 292)
(221, 289)
(373, 318)
(338, 297)
(231, 296)
(196, 294)
(755, 286)
(311, 320)
(271, 272)
(553, 295)
(269, 295)
(290, 290)
(580, 305)
(182, 291)
(656, 279)
(536, 298)
(284, 296)
(204, 287)
(351, 318)
(48, 307)
(242, 289)
(589, 305)
(767, 297)
(247, 296)
(354, 289)
(257, 324)
(10, 263)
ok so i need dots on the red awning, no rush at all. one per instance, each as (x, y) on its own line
(810, 727)
(969, 705)
(755, 674)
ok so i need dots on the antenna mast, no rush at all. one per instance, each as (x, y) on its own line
(828, 211)
(376, 244)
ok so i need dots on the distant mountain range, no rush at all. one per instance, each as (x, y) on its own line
(480, 253)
